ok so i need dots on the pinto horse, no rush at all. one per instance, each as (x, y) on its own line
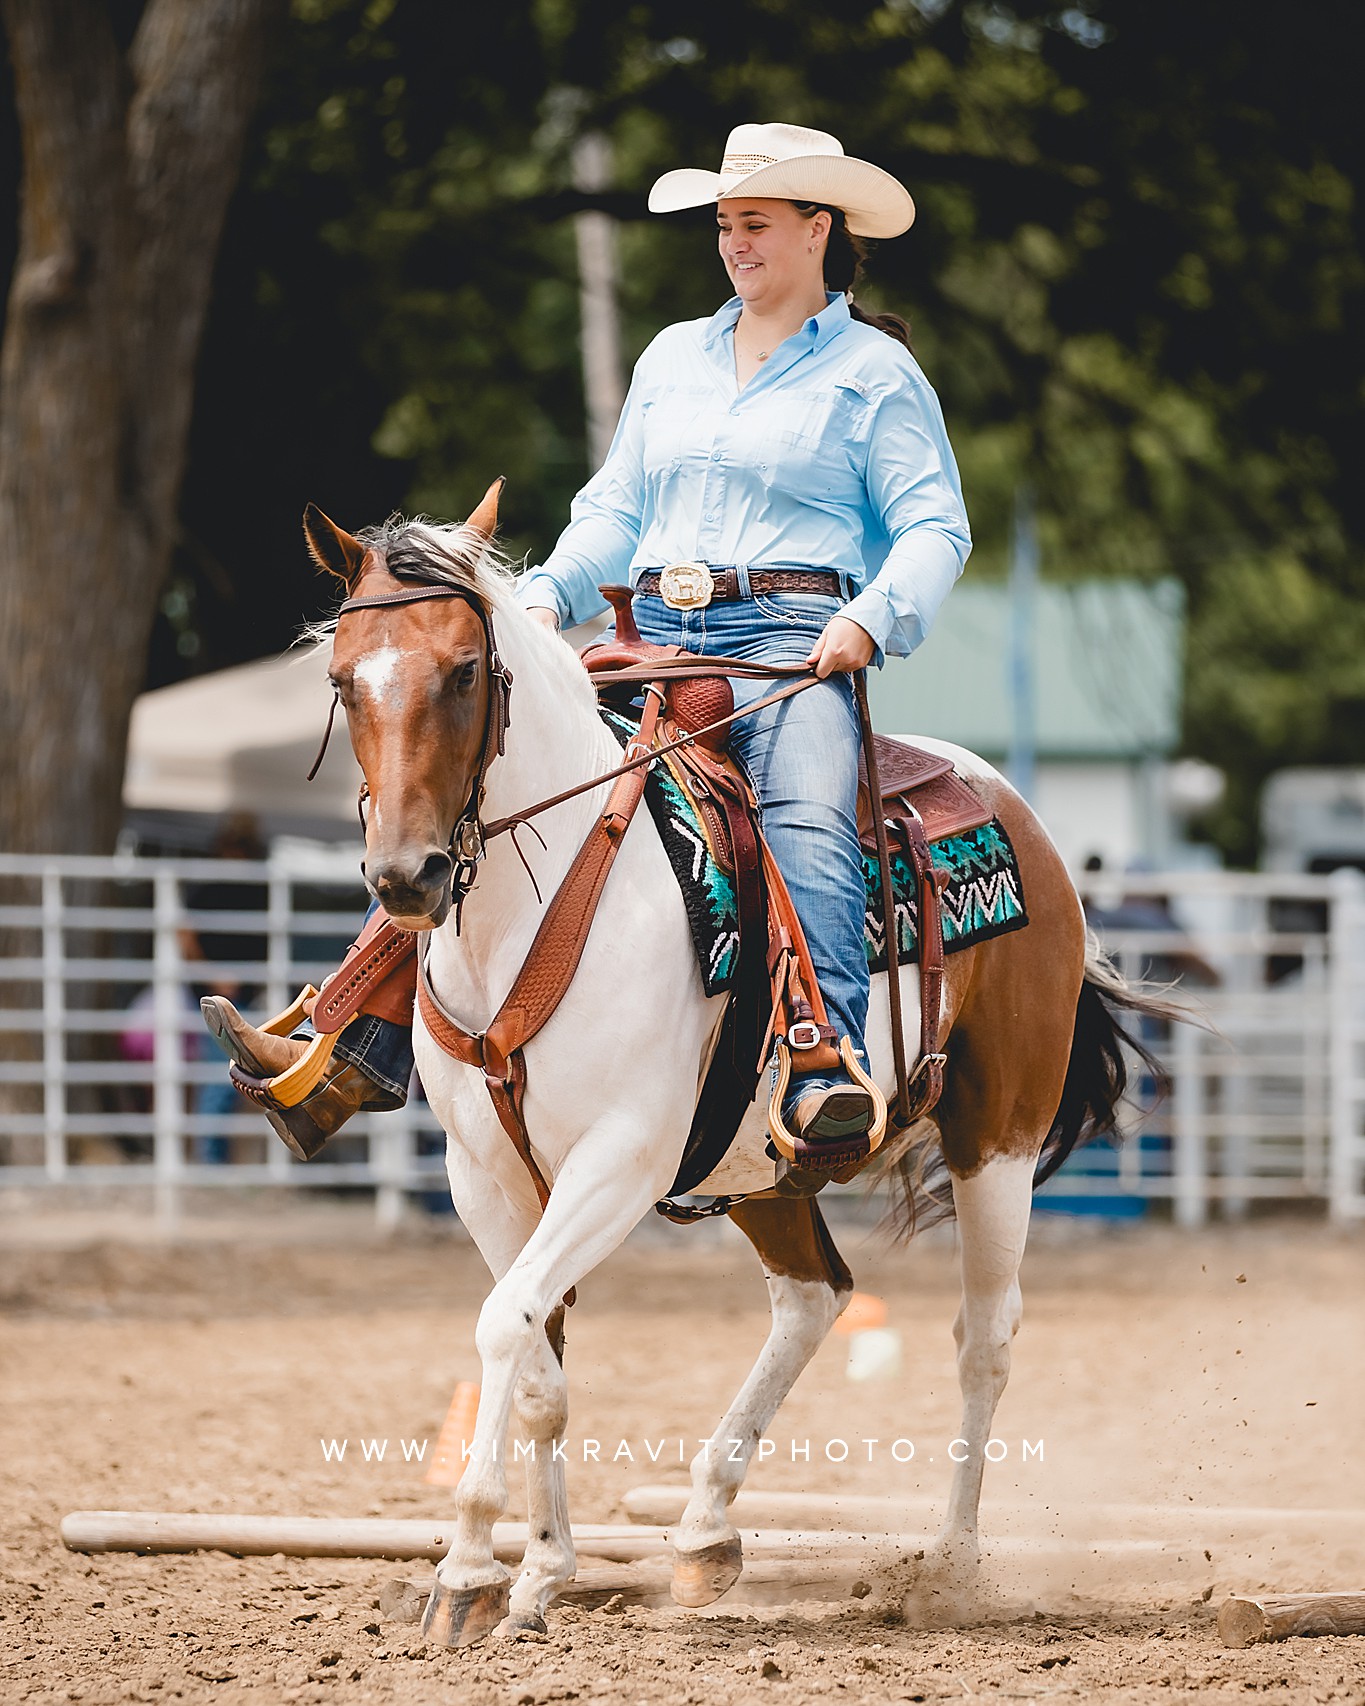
(1033, 1043)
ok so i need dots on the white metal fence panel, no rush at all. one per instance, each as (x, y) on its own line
(1346, 1164)
(106, 1073)
(1274, 963)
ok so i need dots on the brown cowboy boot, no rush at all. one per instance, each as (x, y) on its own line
(258, 1055)
(843, 1111)
(831, 1126)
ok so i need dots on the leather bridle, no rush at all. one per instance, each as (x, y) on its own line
(469, 836)
(465, 846)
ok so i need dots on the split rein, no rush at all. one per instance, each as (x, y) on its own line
(470, 835)
(648, 674)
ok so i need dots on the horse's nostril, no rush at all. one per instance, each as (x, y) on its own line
(403, 882)
(435, 868)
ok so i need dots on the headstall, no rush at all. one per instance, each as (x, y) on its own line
(467, 837)
(470, 835)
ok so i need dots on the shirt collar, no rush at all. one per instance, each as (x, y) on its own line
(817, 331)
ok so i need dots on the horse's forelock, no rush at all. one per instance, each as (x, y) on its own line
(417, 549)
(444, 554)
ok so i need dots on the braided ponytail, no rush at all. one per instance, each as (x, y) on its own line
(844, 258)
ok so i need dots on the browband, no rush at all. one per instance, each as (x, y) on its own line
(410, 596)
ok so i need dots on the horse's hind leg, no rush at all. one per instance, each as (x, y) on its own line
(1013, 1002)
(808, 1285)
(993, 1215)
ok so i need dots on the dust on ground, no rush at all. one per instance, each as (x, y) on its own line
(1157, 1368)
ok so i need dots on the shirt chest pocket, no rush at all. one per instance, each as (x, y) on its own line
(677, 425)
(818, 444)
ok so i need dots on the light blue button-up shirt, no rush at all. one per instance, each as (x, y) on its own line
(833, 456)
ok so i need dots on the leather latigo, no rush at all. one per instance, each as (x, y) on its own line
(927, 1084)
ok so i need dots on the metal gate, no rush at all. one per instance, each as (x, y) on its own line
(107, 1077)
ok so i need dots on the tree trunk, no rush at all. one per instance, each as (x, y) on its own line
(129, 161)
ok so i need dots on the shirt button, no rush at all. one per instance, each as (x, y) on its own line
(710, 515)
(716, 456)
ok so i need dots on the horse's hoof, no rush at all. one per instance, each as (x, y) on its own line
(704, 1575)
(457, 1617)
(522, 1623)
(945, 1592)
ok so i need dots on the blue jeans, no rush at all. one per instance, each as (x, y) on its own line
(801, 756)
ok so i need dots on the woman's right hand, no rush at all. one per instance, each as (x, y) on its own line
(545, 616)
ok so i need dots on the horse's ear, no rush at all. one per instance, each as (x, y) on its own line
(484, 520)
(330, 547)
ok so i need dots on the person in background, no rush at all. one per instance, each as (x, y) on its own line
(205, 949)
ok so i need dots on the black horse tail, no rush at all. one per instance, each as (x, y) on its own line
(1097, 1074)
(1097, 1077)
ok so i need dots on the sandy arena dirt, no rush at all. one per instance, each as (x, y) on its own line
(1218, 1369)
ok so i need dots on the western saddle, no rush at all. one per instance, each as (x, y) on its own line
(775, 1006)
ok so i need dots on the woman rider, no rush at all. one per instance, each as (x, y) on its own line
(780, 488)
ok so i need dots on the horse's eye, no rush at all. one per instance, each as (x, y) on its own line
(466, 676)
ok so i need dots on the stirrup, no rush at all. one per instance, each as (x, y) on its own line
(783, 1140)
(287, 1089)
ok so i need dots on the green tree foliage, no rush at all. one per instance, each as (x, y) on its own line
(1136, 280)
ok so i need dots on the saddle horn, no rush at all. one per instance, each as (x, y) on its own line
(619, 598)
(693, 701)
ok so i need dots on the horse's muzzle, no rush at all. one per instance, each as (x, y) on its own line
(418, 898)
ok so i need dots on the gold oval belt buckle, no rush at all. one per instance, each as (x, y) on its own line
(686, 586)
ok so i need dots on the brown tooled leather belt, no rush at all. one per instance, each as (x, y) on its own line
(725, 582)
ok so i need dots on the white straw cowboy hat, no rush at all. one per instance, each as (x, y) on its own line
(789, 163)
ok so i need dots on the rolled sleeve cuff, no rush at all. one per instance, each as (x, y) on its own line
(871, 611)
(537, 588)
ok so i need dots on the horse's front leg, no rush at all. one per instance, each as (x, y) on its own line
(500, 1221)
(542, 1404)
(608, 1181)
(808, 1286)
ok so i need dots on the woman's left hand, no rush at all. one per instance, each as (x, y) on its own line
(842, 646)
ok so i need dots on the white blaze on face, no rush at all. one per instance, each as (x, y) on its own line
(375, 673)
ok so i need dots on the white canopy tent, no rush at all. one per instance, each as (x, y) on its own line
(242, 740)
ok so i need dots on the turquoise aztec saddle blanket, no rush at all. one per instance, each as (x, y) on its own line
(984, 897)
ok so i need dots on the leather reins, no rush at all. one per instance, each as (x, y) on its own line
(470, 835)
(563, 933)
(656, 672)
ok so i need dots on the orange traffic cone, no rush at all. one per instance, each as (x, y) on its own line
(863, 1311)
(457, 1433)
(874, 1349)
